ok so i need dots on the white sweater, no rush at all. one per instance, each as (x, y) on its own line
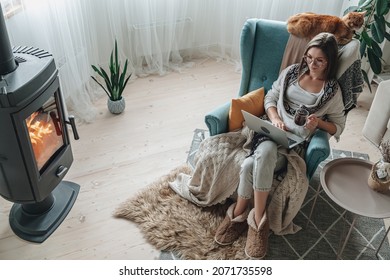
(332, 111)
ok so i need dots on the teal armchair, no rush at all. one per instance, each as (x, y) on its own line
(262, 47)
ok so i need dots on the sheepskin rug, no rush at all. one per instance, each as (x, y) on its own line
(171, 223)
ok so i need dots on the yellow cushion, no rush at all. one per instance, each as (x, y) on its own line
(252, 102)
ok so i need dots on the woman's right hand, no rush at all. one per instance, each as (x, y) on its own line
(275, 118)
(279, 124)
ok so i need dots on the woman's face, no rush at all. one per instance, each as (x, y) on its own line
(316, 60)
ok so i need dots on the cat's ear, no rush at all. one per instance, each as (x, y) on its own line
(363, 13)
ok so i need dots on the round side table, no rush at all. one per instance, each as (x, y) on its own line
(344, 180)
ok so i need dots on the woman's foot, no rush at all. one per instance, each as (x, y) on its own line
(231, 228)
(257, 238)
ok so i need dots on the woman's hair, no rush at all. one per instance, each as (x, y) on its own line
(328, 44)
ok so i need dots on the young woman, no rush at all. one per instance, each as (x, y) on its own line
(311, 83)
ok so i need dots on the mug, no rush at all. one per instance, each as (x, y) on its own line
(300, 116)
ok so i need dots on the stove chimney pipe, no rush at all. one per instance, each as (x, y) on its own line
(7, 60)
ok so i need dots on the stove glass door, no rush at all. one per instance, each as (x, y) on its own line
(45, 132)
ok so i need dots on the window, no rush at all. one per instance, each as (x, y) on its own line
(11, 7)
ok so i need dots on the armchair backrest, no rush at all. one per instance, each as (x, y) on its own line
(262, 47)
(377, 125)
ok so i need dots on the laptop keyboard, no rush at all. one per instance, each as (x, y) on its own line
(291, 141)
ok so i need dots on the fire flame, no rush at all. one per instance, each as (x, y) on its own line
(38, 129)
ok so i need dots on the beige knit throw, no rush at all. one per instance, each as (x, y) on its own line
(216, 175)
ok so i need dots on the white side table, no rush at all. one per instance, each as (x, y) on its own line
(345, 182)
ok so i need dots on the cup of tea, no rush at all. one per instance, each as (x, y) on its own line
(300, 116)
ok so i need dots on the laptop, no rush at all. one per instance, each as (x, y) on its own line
(280, 136)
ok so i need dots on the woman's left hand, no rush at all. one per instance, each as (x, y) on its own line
(311, 122)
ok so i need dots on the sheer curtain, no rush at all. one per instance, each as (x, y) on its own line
(156, 36)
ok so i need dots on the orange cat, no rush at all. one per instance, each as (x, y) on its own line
(307, 25)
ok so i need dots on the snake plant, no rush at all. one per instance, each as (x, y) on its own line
(115, 81)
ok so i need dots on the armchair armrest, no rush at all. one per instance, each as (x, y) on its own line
(317, 151)
(217, 120)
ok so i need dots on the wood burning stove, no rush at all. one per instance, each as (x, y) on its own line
(35, 151)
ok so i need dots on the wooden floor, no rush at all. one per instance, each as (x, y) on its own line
(118, 156)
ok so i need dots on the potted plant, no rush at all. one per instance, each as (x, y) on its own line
(373, 32)
(115, 83)
(379, 179)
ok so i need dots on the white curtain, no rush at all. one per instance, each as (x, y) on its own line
(155, 35)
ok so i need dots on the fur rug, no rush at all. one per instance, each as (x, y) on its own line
(175, 225)
(171, 223)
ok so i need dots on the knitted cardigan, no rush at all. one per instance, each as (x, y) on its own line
(329, 104)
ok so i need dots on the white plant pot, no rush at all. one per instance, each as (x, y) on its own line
(117, 106)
